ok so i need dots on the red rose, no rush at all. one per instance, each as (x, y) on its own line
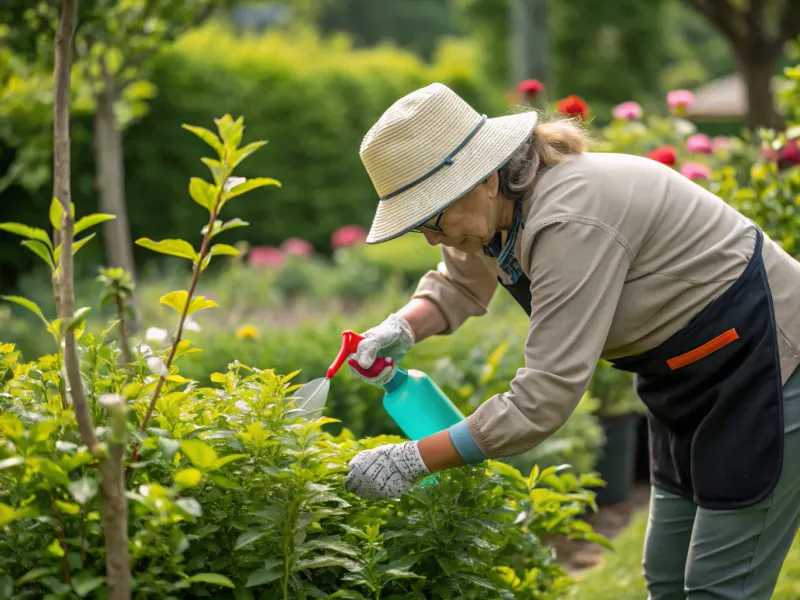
(665, 155)
(573, 106)
(790, 155)
(530, 87)
(266, 256)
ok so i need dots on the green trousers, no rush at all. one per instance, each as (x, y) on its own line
(698, 554)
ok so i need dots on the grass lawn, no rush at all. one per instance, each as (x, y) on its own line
(620, 575)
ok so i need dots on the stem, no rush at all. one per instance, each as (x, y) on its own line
(62, 541)
(65, 292)
(83, 541)
(115, 506)
(195, 276)
(126, 347)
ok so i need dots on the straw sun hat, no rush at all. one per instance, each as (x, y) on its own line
(429, 149)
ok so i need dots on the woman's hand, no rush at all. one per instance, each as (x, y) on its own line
(391, 339)
(391, 470)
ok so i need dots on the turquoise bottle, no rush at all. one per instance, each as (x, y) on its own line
(418, 405)
(412, 399)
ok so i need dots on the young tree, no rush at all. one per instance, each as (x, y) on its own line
(115, 43)
(757, 31)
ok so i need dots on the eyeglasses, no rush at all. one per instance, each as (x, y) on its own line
(434, 227)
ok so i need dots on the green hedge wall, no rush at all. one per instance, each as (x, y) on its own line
(312, 99)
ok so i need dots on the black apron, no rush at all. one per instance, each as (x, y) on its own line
(714, 396)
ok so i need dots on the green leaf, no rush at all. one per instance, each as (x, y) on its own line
(191, 506)
(177, 300)
(244, 152)
(56, 212)
(188, 477)
(180, 248)
(78, 244)
(224, 482)
(201, 454)
(324, 560)
(207, 136)
(8, 514)
(41, 250)
(223, 250)
(217, 171)
(31, 306)
(249, 185)
(34, 574)
(32, 233)
(247, 538)
(55, 548)
(213, 578)
(232, 224)
(11, 462)
(221, 462)
(83, 489)
(83, 583)
(348, 595)
(92, 220)
(263, 576)
(50, 471)
(168, 447)
(79, 318)
(203, 193)
(68, 508)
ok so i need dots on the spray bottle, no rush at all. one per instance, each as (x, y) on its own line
(411, 398)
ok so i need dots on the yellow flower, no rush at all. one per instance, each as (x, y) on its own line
(247, 332)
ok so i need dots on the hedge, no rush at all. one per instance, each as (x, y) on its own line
(313, 99)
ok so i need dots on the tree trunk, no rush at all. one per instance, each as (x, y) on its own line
(757, 65)
(110, 166)
(108, 155)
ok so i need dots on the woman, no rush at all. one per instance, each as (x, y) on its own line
(612, 256)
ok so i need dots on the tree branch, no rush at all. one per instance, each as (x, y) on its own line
(721, 14)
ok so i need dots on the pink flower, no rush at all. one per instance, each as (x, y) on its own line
(699, 143)
(695, 171)
(297, 247)
(348, 235)
(628, 111)
(679, 101)
(266, 256)
(720, 142)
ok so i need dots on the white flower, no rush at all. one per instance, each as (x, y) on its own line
(111, 400)
(684, 128)
(156, 334)
(157, 366)
(232, 182)
(191, 325)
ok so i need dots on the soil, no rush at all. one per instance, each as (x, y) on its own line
(576, 556)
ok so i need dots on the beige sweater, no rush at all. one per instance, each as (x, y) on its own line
(621, 252)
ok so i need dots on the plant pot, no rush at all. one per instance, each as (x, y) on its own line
(617, 462)
(642, 473)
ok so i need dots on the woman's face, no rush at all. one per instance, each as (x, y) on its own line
(471, 221)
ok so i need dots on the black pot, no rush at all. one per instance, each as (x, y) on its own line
(617, 462)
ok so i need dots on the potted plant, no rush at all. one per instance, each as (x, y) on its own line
(620, 413)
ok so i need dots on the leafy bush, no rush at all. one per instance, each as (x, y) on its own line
(233, 485)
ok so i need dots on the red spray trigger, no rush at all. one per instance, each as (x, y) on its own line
(350, 341)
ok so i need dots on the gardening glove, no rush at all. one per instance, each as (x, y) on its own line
(391, 339)
(388, 471)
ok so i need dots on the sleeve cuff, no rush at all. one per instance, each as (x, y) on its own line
(465, 445)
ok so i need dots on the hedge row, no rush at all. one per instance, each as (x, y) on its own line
(312, 99)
